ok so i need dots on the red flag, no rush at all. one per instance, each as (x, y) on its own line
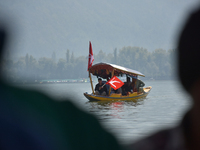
(115, 83)
(91, 57)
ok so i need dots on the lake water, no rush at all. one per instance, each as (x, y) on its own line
(128, 121)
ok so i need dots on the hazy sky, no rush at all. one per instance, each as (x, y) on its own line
(44, 26)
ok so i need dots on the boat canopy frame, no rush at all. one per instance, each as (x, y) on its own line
(105, 70)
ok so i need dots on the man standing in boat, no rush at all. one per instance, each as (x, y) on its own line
(100, 89)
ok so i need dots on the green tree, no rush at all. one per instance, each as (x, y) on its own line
(27, 61)
(72, 59)
(100, 57)
(33, 67)
(47, 68)
(80, 67)
(61, 69)
(160, 59)
(158, 64)
(67, 56)
(53, 57)
(115, 56)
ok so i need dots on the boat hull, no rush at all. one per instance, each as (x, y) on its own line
(119, 97)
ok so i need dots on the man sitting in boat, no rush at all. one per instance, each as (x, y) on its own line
(100, 89)
(127, 87)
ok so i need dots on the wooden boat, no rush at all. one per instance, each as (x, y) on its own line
(107, 70)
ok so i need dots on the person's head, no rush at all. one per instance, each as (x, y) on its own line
(189, 52)
(128, 79)
(100, 80)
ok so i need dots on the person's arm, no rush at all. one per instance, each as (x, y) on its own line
(96, 89)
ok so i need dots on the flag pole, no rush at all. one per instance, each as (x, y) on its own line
(110, 86)
(90, 61)
(103, 85)
(91, 83)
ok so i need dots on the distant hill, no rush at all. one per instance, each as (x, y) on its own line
(43, 27)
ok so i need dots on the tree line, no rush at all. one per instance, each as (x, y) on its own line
(158, 64)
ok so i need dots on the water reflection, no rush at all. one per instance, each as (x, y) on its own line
(113, 109)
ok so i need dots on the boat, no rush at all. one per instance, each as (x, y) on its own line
(107, 71)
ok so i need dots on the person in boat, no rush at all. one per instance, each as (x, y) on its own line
(134, 84)
(139, 85)
(100, 88)
(127, 87)
(106, 85)
(185, 135)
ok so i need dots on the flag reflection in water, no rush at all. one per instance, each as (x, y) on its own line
(117, 108)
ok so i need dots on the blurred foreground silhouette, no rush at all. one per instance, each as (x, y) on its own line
(186, 135)
(32, 120)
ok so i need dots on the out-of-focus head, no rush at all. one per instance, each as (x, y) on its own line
(128, 79)
(189, 52)
(99, 80)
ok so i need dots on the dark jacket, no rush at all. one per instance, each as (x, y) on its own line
(101, 90)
